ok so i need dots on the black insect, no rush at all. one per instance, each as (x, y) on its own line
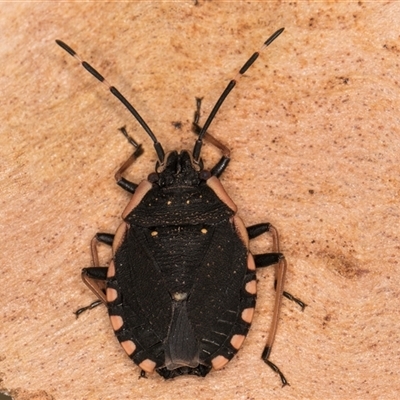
(181, 287)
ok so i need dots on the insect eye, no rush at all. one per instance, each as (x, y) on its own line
(153, 177)
(204, 175)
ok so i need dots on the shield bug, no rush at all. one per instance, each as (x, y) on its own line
(181, 286)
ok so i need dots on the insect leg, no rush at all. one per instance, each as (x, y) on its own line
(268, 259)
(221, 165)
(121, 181)
(95, 277)
(264, 260)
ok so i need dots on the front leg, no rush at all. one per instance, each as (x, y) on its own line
(221, 165)
(121, 181)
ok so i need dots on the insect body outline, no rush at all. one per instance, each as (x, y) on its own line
(181, 286)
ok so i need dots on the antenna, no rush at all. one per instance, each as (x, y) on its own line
(231, 85)
(120, 97)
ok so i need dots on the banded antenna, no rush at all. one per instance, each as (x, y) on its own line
(231, 85)
(120, 97)
(157, 145)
